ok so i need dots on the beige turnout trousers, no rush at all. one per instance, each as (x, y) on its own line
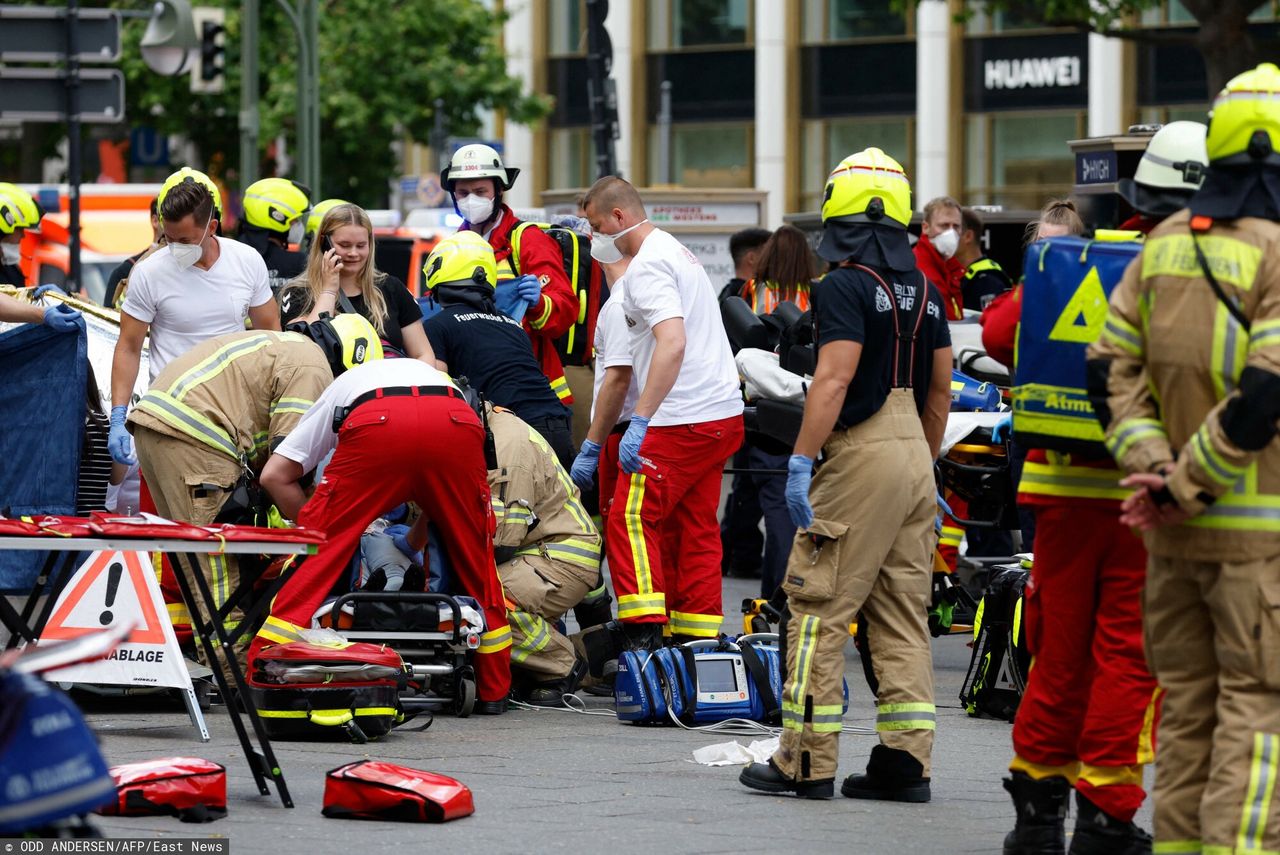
(1213, 640)
(175, 470)
(543, 590)
(869, 549)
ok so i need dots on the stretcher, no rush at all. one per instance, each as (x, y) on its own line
(65, 537)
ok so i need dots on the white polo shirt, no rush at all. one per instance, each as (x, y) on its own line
(665, 280)
(613, 349)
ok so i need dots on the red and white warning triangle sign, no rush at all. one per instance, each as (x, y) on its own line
(114, 589)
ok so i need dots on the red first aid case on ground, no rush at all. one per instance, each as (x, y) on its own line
(370, 789)
(192, 789)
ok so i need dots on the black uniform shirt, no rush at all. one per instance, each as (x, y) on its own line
(849, 305)
(983, 279)
(494, 354)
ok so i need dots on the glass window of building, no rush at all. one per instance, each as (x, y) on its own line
(708, 155)
(827, 142)
(982, 22)
(1020, 160)
(567, 27)
(839, 20)
(570, 157)
(1173, 13)
(677, 24)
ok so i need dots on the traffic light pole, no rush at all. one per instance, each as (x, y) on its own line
(74, 167)
(248, 92)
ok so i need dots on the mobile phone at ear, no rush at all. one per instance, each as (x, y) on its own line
(325, 244)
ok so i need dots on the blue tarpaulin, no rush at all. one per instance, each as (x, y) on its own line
(43, 377)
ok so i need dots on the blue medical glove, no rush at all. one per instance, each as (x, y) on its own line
(61, 318)
(584, 465)
(629, 448)
(45, 289)
(1002, 429)
(799, 474)
(529, 289)
(120, 443)
(400, 537)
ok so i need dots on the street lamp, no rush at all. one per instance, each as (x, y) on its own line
(170, 41)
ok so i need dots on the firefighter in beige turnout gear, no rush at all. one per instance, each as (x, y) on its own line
(213, 413)
(876, 409)
(1186, 380)
(548, 554)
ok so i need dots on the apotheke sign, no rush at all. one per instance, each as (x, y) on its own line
(1028, 72)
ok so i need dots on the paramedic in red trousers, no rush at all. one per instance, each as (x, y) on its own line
(936, 252)
(477, 179)
(877, 410)
(1088, 716)
(663, 540)
(399, 431)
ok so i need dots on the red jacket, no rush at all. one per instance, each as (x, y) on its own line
(539, 256)
(946, 274)
(1000, 325)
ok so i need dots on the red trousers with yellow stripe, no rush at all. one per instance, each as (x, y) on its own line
(428, 450)
(662, 536)
(1091, 706)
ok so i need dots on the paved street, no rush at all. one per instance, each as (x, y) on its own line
(550, 781)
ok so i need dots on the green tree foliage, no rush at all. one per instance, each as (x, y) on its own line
(1222, 37)
(383, 64)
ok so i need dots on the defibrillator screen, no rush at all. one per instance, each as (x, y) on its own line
(716, 675)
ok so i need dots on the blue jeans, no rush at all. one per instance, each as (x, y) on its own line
(779, 530)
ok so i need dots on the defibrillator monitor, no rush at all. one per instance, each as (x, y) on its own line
(722, 678)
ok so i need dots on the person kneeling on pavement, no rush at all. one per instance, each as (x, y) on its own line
(205, 426)
(399, 431)
(548, 553)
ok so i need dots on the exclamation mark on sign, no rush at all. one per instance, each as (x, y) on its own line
(113, 584)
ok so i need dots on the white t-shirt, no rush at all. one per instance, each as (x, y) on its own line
(665, 280)
(313, 438)
(187, 307)
(613, 349)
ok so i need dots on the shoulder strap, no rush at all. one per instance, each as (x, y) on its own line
(1217, 289)
(760, 676)
(906, 344)
(516, 234)
(344, 303)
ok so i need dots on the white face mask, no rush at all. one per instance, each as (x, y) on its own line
(187, 254)
(475, 209)
(604, 247)
(946, 243)
(11, 253)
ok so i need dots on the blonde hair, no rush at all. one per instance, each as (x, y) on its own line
(311, 282)
(1057, 212)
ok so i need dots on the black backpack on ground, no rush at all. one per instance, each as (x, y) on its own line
(998, 670)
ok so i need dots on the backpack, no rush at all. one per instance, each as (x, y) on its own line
(576, 346)
(998, 670)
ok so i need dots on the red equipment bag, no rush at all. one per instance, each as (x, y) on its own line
(318, 691)
(192, 789)
(370, 789)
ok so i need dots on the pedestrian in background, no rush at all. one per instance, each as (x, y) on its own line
(936, 250)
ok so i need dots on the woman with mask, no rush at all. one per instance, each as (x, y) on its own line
(341, 277)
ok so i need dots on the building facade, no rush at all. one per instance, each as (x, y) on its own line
(772, 93)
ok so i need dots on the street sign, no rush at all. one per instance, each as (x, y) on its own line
(39, 34)
(40, 95)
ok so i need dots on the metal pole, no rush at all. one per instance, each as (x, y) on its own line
(248, 92)
(74, 167)
(664, 133)
(438, 135)
(313, 94)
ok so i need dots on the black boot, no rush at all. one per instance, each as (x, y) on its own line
(767, 777)
(1041, 806)
(1099, 833)
(893, 775)
(643, 636)
(595, 609)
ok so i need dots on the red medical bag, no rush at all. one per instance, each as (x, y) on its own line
(369, 789)
(192, 789)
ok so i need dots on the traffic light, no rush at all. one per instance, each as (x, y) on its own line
(208, 75)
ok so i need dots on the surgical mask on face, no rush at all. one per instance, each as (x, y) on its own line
(604, 247)
(11, 253)
(946, 243)
(187, 254)
(475, 209)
